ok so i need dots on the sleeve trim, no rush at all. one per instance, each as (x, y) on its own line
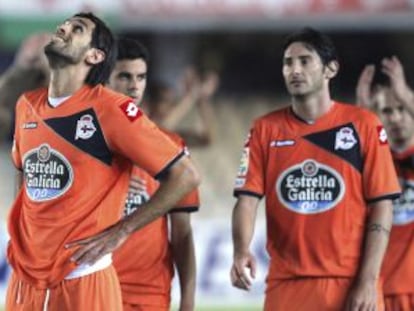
(391, 196)
(164, 171)
(236, 193)
(184, 209)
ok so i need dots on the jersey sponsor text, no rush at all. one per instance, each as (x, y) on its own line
(310, 187)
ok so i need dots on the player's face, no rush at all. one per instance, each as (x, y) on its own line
(302, 70)
(397, 121)
(130, 78)
(71, 40)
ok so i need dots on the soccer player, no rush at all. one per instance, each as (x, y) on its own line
(327, 174)
(394, 104)
(75, 143)
(145, 262)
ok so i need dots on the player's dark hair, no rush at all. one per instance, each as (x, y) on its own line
(130, 49)
(314, 40)
(102, 39)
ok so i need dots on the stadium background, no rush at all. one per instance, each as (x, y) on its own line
(241, 40)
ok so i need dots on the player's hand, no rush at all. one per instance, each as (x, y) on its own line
(363, 89)
(137, 185)
(95, 247)
(238, 274)
(393, 68)
(362, 297)
(209, 85)
(30, 53)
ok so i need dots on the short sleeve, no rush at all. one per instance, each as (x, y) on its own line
(250, 176)
(129, 132)
(379, 175)
(191, 202)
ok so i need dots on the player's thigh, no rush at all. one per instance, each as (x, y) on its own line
(305, 294)
(21, 296)
(99, 291)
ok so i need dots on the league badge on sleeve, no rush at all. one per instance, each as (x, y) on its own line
(131, 110)
(244, 163)
(382, 135)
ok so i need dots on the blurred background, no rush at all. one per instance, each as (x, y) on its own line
(240, 42)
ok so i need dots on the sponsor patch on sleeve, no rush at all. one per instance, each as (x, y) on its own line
(382, 135)
(131, 111)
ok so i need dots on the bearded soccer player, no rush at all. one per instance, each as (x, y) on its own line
(326, 171)
(394, 104)
(145, 262)
(75, 144)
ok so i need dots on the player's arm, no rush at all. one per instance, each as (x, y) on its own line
(179, 180)
(363, 88)
(203, 135)
(182, 244)
(243, 221)
(363, 295)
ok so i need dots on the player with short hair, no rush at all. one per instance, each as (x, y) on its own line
(326, 171)
(393, 102)
(75, 143)
(145, 263)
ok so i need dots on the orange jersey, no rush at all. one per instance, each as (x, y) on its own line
(144, 263)
(317, 178)
(76, 160)
(398, 267)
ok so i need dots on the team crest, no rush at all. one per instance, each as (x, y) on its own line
(345, 139)
(85, 127)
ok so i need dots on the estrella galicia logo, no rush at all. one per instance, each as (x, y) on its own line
(135, 200)
(47, 173)
(310, 187)
(404, 206)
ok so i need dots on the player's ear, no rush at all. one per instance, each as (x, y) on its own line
(95, 56)
(331, 69)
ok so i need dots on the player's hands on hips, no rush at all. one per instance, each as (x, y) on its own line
(93, 248)
(238, 273)
(363, 89)
(362, 297)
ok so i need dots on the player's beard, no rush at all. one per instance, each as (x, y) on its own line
(60, 59)
(314, 89)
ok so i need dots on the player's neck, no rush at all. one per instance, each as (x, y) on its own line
(66, 81)
(312, 107)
